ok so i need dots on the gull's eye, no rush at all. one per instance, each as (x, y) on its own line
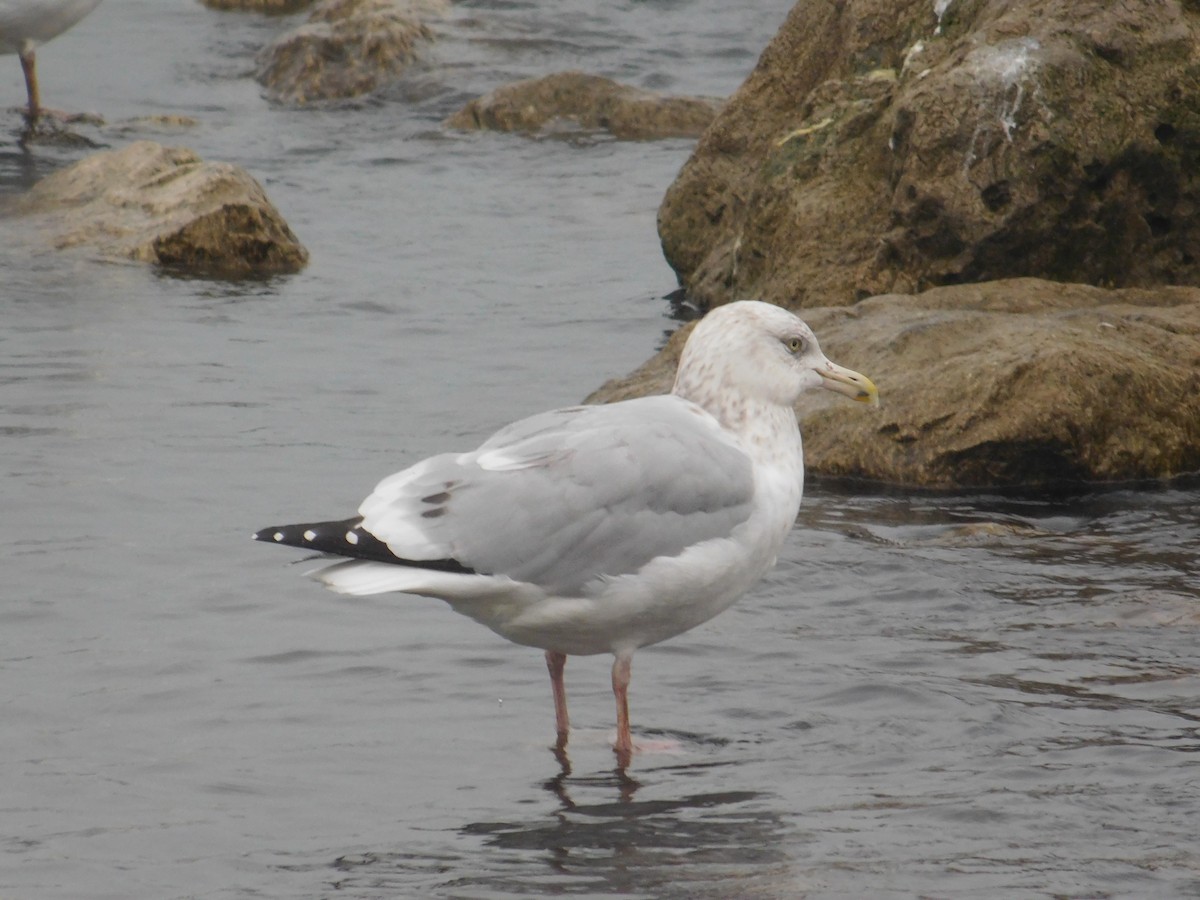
(794, 344)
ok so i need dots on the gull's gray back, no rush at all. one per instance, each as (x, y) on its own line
(567, 496)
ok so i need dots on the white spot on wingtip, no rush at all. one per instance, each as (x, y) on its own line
(278, 535)
(309, 535)
(351, 537)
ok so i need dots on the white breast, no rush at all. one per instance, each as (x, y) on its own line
(670, 595)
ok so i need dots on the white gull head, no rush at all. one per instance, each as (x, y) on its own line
(757, 354)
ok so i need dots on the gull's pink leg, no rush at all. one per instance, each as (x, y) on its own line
(29, 67)
(555, 662)
(620, 683)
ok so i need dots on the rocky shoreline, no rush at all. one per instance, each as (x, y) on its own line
(987, 207)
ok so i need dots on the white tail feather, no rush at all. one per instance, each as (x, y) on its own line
(361, 577)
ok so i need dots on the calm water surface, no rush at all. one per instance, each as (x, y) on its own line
(967, 696)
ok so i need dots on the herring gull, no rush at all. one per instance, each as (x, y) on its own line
(603, 529)
(25, 24)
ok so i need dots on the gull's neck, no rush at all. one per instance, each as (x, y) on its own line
(768, 431)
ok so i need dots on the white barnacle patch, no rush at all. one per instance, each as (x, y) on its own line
(804, 131)
(1001, 73)
(351, 537)
(911, 56)
(939, 10)
(310, 535)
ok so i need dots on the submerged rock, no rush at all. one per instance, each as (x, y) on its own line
(269, 7)
(166, 206)
(895, 145)
(1008, 383)
(346, 48)
(590, 102)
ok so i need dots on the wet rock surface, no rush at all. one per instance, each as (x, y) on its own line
(588, 102)
(885, 146)
(346, 48)
(165, 206)
(269, 7)
(1009, 383)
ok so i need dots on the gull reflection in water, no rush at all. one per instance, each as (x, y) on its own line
(612, 832)
(673, 831)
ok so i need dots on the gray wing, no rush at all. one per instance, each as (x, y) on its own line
(570, 495)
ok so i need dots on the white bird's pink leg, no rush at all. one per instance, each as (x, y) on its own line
(620, 683)
(29, 67)
(555, 662)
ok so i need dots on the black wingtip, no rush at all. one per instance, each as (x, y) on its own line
(341, 536)
(347, 537)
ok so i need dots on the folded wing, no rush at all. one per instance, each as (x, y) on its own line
(565, 497)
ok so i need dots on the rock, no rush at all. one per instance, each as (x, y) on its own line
(878, 147)
(77, 132)
(166, 206)
(346, 48)
(1008, 383)
(589, 102)
(161, 123)
(1150, 608)
(269, 7)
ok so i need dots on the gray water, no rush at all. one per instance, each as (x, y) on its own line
(937, 696)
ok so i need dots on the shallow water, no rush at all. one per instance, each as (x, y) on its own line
(965, 696)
